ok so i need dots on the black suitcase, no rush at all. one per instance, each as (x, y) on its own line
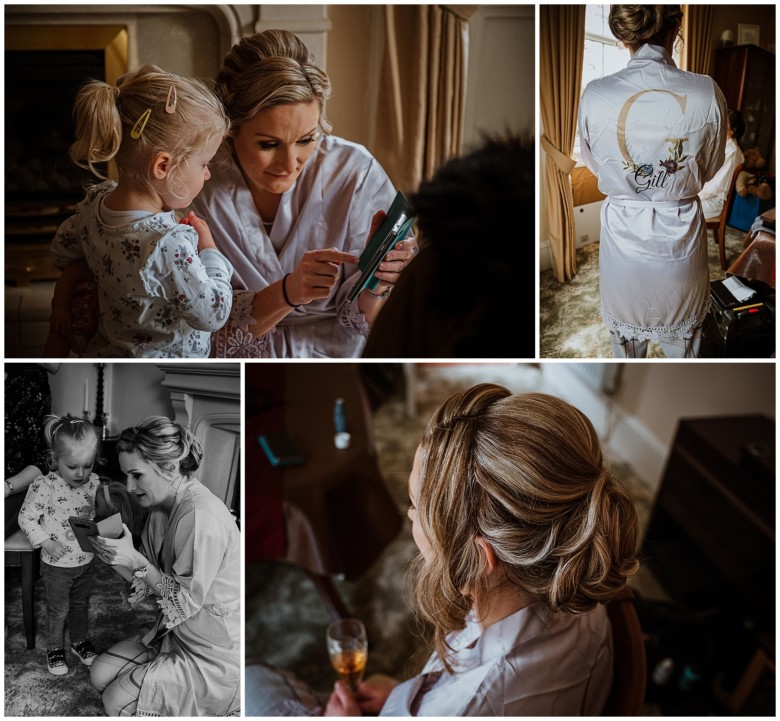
(739, 329)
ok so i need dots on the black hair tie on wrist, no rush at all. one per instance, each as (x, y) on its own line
(284, 291)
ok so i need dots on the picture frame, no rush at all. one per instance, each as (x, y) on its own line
(748, 34)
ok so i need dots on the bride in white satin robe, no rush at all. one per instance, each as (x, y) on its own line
(653, 135)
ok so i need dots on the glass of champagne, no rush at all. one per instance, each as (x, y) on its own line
(348, 650)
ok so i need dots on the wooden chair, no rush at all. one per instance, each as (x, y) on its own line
(19, 552)
(718, 225)
(629, 678)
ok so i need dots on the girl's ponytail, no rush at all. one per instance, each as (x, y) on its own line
(98, 126)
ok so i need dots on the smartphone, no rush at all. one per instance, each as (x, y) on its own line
(83, 528)
(280, 449)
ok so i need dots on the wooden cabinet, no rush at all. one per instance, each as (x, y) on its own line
(711, 538)
(746, 75)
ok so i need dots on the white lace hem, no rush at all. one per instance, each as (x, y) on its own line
(138, 592)
(660, 334)
(169, 601)
(349, 316)
(235, 339)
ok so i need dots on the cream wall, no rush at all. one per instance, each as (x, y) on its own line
(639, 421)
(133, 391)
(352, 60)
(660, 393)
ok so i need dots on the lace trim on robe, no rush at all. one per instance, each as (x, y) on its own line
(138, 591)
(169, 601)
(349, 316)
(660, 334)
(234, 339)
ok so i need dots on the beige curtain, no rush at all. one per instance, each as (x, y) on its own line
(419, 121)
(562, 43)
(697, 33)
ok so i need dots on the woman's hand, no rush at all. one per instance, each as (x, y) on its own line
(395, 261)
(367, 701)
(205, 239)
(118, 551)
(341, 702)
(316, 275)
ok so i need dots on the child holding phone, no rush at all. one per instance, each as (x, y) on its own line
(68, 571)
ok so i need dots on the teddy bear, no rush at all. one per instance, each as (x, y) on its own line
(753, 179)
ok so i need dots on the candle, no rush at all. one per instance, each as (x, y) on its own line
(86, 396)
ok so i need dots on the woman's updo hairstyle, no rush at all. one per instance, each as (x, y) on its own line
(636, 25)
(526, 474)
(267, 69)
(165, 444)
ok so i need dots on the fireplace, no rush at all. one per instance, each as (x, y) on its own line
(45, 66)
(206, 398)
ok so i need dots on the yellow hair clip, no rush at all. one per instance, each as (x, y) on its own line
(170, 101)
(140, 124)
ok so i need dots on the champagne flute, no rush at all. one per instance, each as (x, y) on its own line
(348, 650)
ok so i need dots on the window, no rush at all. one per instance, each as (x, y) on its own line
(603, 56)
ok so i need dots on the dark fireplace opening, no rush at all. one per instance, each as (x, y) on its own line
(42, 184)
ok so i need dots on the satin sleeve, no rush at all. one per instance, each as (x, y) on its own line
(201, 545)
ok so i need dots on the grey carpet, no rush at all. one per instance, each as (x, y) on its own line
(285, 620)
(570, 324)
(30, 690)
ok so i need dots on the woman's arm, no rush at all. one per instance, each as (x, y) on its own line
(22, 480)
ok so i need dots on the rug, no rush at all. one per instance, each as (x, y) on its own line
(285, 619)
(570, 324)
(30, 690)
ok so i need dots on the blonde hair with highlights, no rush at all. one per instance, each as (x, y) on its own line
(267, 69)
(636, 25)
(526, 474)
(167, 445)
(106, 115)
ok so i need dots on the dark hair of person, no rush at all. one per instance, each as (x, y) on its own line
(737, 123)
(476, 213)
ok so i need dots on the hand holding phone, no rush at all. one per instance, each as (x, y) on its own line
(83, 528)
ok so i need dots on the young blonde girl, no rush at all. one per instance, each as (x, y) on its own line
(162, 284)
(67, 571)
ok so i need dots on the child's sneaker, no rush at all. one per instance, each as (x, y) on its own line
(55, 660)
(84, 651)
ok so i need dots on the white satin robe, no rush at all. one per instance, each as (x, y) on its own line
(715, 191)
(532, 663)
(653, 135)
(330, 206)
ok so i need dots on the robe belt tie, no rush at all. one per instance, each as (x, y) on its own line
(564, 162)
(626, 202)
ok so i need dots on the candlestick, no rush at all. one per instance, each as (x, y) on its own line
(86, 397)
(100, 416)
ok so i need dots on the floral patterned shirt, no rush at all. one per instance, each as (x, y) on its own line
(158, 297)
(44, 515)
